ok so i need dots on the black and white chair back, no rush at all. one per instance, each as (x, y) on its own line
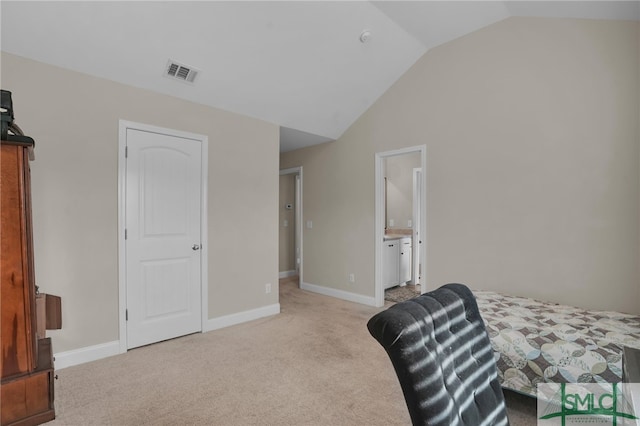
(442, 356)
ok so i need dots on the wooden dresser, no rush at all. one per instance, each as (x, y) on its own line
(26, 392)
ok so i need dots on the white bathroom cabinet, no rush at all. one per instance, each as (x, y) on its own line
(396, 258)
(405, 261)
(391, 263)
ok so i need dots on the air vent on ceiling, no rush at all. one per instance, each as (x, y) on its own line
(180, 71)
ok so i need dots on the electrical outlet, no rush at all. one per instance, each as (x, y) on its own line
(391, 223)
(352, 278)
(309, 224)
(267, 288)
(409, 223)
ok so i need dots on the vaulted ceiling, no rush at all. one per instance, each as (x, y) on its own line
(303, 65)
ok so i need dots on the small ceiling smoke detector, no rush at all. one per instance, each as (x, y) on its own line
(180, 72)
(364, 36)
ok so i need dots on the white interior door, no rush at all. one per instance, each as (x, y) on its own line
(163, 228)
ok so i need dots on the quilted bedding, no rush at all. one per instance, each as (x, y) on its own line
(536, 342)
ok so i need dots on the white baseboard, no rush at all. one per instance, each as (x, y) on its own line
(286, 274)
(340, 294)
(240, 317)
(105, 350)
(86, 354)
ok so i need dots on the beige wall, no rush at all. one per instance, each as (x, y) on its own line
(74, 120)
(533, 185)
(287, 233)
(399, 174)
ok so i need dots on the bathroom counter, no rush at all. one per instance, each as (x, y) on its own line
(388, 237)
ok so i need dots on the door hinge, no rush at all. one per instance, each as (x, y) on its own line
(126, 315)
(126, 151)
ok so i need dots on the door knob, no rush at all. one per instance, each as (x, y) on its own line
(195, 247)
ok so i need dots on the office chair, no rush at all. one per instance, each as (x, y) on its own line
(443, 358)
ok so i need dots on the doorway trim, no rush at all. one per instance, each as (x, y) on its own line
(122, 258)
(379, 215)
(417, 225)
(298, 214)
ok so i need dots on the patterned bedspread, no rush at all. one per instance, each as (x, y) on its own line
(537, 342)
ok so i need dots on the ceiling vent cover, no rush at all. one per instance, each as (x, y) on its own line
(180, 72)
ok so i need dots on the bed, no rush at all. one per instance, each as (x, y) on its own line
(537, 342)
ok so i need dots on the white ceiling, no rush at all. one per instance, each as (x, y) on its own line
(299, 64)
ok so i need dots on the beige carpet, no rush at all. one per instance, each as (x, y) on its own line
(313, 364)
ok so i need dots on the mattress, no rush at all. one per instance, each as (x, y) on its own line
(537, 342)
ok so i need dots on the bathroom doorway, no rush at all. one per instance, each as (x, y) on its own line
(290, 224)
(400, 215)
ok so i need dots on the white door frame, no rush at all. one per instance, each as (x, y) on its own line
(379, 215)
(417, 225)
(298, 213)
(122, 282)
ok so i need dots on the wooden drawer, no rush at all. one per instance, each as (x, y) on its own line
(28, 399)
